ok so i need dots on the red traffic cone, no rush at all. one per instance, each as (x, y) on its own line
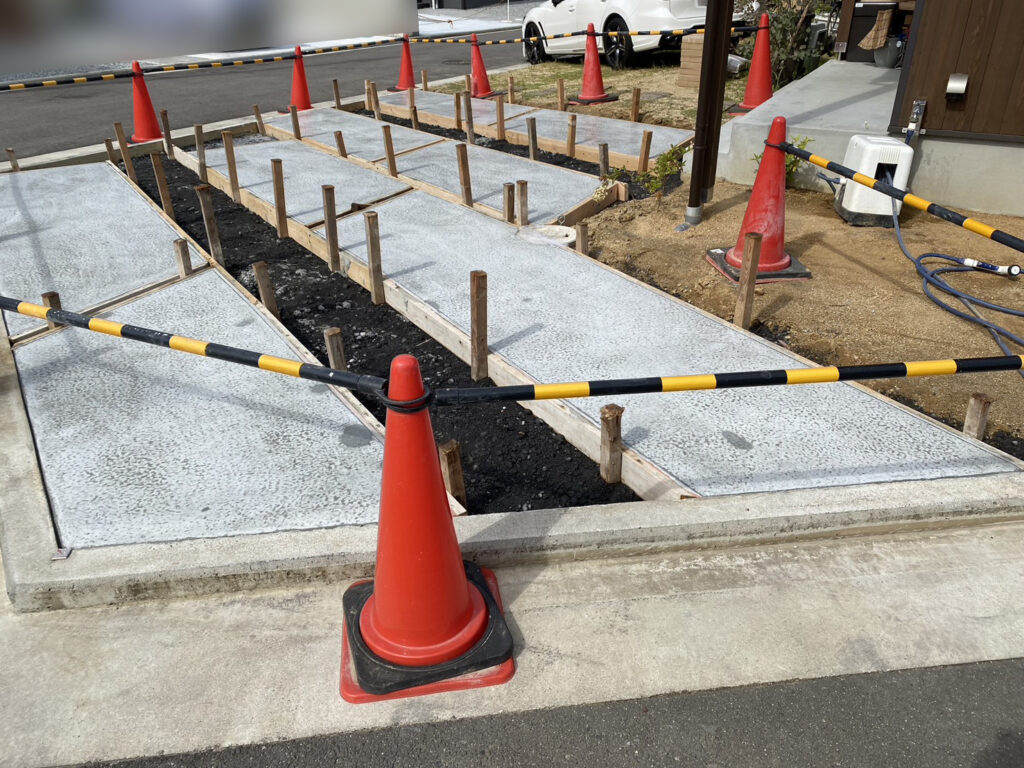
(300, 91)
(428, 622)
(593, 82)
(766, 214)
(759, 83)
(143, 117)
(406, 80)
(481, 83)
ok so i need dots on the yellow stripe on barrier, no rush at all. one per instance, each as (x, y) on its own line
(867, 181)
(239, 63)
(976, 226)
(812, 375)
(279, 58)
(819, 161)
(49, 83)
(17, 86)
(279, 365)
(193, 66)
(108, 327)
(557, 391)
(931, 368)
(688, 383)
(916, 202)
(169, 68)
(108, 77)
(81, 79)
(217, 64)
(258, 61)
(32, 310)
(185, 344)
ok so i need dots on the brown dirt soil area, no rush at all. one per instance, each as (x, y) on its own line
(864, 303)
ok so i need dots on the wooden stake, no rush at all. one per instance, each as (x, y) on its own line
(335, 349)
(266, 288)
(339, 139)
(13, 160)
(458, 111)
(511, 90)
(522, 207)
(373, 258)
(561, 95)
(645, 151)
(210, 222)
(331, 228)
(166, 123)
(200, 153)
(977, 415)
(183, 258)
(462, 156)
(126, 158)
(634, 110)
(51, 300)
(296, 131)
(110, 151)
(748, 279)
(337, 94)
(611, 443)
(570, 136)
(280, 206)
(582, 238)
(451, 470)
(478, 325)
(375, 99)
(470, 132)
(389, 150)
(259, 120)
(469, 84)
(531, 137)
(161, 184)
(229, 156)
(603, 167)
(414, 115)
(509, 200)
(411, 93)
(423, 77)
(367, 99)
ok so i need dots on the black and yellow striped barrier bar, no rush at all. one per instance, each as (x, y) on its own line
(980, 228)
(366, 384)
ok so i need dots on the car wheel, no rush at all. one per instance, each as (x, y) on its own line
(533, 50)
(618, 50)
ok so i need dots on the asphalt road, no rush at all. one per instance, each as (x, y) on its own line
(44, 120)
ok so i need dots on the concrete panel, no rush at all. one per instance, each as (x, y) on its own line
(443, 105)
(306, 170)
(82, 231)
(363, 138)
(143, 444)
(562, 317)
(551, 190)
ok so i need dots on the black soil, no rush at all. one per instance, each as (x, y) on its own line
(511, 459)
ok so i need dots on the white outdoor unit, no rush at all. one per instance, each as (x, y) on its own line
(873, 156)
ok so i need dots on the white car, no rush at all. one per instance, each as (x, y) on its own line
(556, 17)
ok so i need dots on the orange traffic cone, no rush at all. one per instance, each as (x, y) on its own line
(406, 80)
(429, 622)
(481, 83)
(766, 214)
(759, 83)
(300, 91)
(593, 82)
(143, 115)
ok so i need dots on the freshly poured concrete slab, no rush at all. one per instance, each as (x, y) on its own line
(83, 231)
(363, 137)
(306, 170)
(551, 190)
(443, 105)
(139, 443)
(558, 316)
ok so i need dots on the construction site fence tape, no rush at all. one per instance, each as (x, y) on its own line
(121, 74)
(377, 387)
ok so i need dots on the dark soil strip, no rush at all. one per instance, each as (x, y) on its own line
(512, 460)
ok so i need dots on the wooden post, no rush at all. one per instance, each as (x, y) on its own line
(522, 207)
(611, 443)
(110, 151)
(462, 156)
(373, 258)
(374, 100)
(645, 151)
(340, 141)
(478, 325)
(977, 415)
(229, 156)
(389, 150)
(561, 95)
(582, 238)
(259, 120)
(511, 90)
(458, 111)
(210, 222)
(499, 106)
(570, 136)
(748, 279)
(126, 158)
(469, 84)
(183, 258)
(603, 167)
(414, 115)
(331, 228)
(337, 93)
(200, 153)
(335, 349)
(423, 78)
(509, 200)
(161, 185)
(51, 300)
(13, 159)
(470, 132)
(411, 93)
(451, 470)
(166, 123)
(531, 137)
(266, 288)
(280, 206)
(634, 110)
(367, 99)
(296, 131)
